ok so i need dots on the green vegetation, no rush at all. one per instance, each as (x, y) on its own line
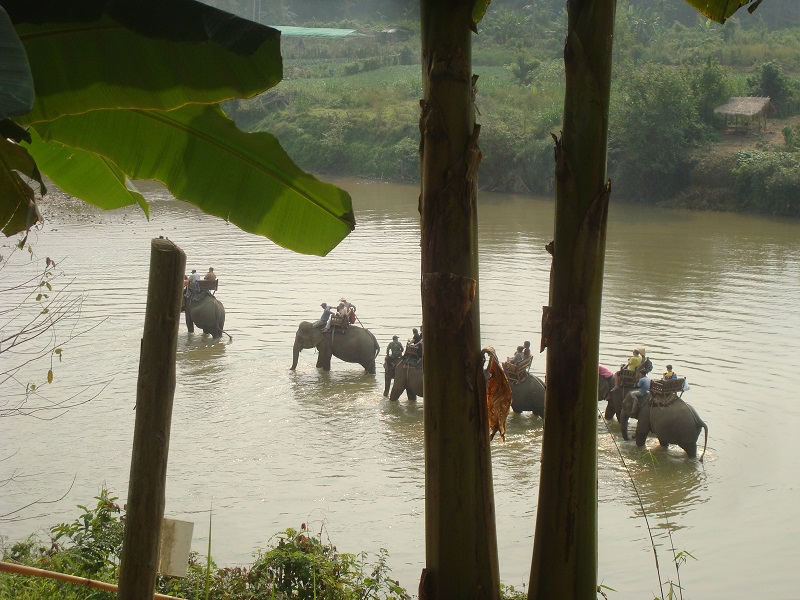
(350, 106)
(299, 564)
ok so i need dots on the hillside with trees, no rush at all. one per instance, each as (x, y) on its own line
(349, 105)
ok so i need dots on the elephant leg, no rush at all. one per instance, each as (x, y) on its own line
(412, 397)
(691, 449)
(609, 410)
(370, 367)
(664, 443)
(189, 323)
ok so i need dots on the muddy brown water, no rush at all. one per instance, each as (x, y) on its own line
(715, 295)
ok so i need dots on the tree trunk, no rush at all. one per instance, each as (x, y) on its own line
(155, 392)
(564, 561)
(460, 536)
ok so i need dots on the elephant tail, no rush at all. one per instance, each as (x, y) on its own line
(230, 337)
(702, 424)
(374, 341)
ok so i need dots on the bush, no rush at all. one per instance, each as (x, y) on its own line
(299, 565)
(768, 182)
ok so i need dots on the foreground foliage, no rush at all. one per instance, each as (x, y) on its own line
(299, 564)
(125, 92)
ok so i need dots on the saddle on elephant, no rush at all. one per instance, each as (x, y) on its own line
(517, 372)
(666, 391)
(339, 323)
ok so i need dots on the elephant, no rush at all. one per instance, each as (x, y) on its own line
(358, 345)
(528, 395)
(669, 417)
(205, 311)
(407, 376)
(614, 398)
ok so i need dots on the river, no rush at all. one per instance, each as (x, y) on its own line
(715, 295)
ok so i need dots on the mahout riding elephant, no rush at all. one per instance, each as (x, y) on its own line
(407, 378)
(205, 311)
(669, 417)
(358, 345)
(528, 395)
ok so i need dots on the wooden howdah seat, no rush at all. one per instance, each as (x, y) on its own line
(339, 322)
(517, 372)
(209, 285)
(667, 386)
(412, 351)
(629, 378)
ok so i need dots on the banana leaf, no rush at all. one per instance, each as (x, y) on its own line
(201, 156)
(18, 210)
(85, 175)
(16, 93)
(81, 66)
(720, 10)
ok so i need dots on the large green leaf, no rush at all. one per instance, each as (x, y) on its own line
(16, 91)
(720, 10)
(18, 210)
(142, 55)
(202, 157)
(85, 175)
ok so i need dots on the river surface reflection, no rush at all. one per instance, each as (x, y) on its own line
(715, 295)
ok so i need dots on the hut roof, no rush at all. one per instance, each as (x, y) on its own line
(744, 106)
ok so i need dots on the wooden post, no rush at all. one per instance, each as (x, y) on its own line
(154, 396)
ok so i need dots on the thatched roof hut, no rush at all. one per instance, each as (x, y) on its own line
(746, 108)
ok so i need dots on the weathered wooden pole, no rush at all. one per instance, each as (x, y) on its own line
(154, 395)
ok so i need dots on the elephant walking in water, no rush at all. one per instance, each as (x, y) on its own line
(528, 395)
(358, 345)
(615, 397)
(205, 311)
(407, 376)
(670, 418)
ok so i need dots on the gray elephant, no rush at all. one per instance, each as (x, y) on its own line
(358, 345)
(669, 417)
(407, 378)
(528, 395)
(614, 398)
(205, 311)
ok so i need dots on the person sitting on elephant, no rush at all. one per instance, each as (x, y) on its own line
(416, 337)
(210, 276)
(642, 389)
(342, 317)
(526, 349)
(518, 356)
(324, 319)
(606, 374)
(395, 349)
(634, 361)
(670, 374)
(646, 365)
(194, 281)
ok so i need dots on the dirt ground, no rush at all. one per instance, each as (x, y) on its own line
(746, 137)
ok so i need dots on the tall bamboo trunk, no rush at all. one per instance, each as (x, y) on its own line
(461, 543)
(564, 563)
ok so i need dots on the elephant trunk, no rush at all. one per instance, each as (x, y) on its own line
(296, 354)
(623, 423)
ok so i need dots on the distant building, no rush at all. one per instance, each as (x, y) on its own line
(395, 33)
(744, 110)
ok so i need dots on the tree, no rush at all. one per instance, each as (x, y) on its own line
(460, 535)
(564, 561)
(460, 539)
(91, 131)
